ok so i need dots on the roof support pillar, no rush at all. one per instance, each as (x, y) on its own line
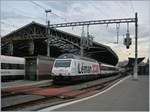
(48, 39)
(31, 47)
(11, 48)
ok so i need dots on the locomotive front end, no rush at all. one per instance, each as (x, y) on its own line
(61, 67)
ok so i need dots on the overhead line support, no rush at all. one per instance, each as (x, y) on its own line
(108, 21)
(136, 48)
(94, 22)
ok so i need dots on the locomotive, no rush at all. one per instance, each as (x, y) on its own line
(71, 67)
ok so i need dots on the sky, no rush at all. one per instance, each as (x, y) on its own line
(15, 14)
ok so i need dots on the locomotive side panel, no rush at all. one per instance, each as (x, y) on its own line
(86, 67)
(75, 68)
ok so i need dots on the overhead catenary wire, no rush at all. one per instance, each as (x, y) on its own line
(132, 6)
(8, 24)
(117, 25)
(46, 9)
(10, 27)
(22, 14)
(28, 16)
(99, 9)
(121, 8)
(38, 5)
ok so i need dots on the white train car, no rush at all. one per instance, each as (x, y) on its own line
(71, 67)
(12, 68)
(108, 70)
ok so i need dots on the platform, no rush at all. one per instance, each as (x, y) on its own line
(127, 95)
(19, 99)
(23, 83)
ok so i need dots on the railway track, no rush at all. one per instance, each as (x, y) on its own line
(72, 92)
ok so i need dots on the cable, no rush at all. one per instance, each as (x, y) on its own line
(45, 9)
(98, 8)
(8, 24)
(4, 29)
(59, 16)
(25, 14)
(132, 6)
(121, 8)
(37, 5)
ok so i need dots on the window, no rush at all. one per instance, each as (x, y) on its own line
(62, 63)
(11, 66)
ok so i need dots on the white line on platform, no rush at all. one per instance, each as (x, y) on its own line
(83, 99)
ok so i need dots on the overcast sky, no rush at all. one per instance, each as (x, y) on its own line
(15, 14)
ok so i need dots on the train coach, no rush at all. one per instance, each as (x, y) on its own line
(72, 68)
(12, 68)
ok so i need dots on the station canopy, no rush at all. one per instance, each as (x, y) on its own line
(132, 61)
(60, 42)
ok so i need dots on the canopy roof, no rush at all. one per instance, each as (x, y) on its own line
(65, 41)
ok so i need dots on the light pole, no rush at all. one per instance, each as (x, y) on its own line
(48, 32)
(136, 48)
(47, 11)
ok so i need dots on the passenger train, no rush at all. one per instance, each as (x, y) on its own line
(72, 68)
(12, 68)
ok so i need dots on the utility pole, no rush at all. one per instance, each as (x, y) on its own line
(136, 48)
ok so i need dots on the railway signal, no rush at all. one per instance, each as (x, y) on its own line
(127, 40)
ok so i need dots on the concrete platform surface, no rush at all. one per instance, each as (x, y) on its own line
(21, 83)
(19, 99)
(128, 95)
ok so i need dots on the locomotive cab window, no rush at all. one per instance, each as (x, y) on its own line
(62, 63)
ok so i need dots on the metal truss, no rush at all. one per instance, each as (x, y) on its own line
(94, 22)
